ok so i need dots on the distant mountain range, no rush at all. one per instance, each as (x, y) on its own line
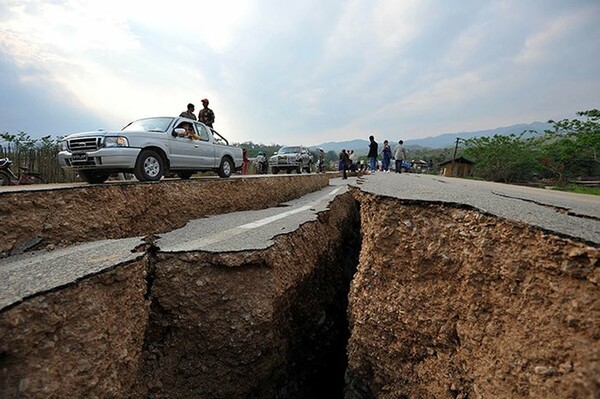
(444, 140)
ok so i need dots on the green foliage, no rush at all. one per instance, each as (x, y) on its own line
(573, 148)
(253, 148)
(501, 158)
(433, 155)
(579, 189)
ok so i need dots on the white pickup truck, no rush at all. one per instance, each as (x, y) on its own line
(150, 148)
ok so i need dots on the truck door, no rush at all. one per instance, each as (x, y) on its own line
(184, 152)
(205, 150)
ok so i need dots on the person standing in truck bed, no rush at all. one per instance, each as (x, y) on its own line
(189, 113)
(206, 115)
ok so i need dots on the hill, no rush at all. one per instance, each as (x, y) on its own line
(444, 140)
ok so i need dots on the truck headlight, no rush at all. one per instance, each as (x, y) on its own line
(116, 142)
(63, 145)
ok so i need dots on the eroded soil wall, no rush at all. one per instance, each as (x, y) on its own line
(83, 341)
(262, 324)
(94, 212)
(451, 303)
(446, 303)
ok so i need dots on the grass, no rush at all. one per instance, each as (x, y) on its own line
(574, 188)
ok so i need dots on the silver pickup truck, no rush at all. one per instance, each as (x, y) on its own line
(150, 148)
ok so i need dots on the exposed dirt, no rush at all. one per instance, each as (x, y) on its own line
(87, 213)
(446, 302)
(83, 341)
(235, 325)
(262, 324)
(450, 303)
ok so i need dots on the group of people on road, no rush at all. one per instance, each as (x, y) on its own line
(346, 160)
(398, 154)
(205, 115)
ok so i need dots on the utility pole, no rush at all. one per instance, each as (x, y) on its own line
(454, 156)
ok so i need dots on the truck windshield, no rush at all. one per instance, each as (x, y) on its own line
(289, 150)
(149, 125)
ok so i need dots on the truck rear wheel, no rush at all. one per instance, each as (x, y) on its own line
(226, 167)
(149, 166)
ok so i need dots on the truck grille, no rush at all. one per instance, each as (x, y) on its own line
(84, 144)
(79, 163)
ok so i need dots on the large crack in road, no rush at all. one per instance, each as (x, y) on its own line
(453, 296)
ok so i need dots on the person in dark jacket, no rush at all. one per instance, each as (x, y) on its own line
(344, 163)
(206, 115)
(372, 155)
(189, 113)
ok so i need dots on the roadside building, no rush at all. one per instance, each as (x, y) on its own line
(459, 167)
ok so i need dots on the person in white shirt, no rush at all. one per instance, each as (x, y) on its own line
(399, 155)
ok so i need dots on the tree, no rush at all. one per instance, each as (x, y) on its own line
(502, 158)
(572, 149)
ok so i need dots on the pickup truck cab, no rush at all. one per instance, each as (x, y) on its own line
(150, 148)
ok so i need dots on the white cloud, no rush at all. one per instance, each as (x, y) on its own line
(397, 23)
(464, 47)
(543, 45)
(323, 72)
(90, 47)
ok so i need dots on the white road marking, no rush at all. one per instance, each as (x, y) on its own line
(229, 233)
(282, 215)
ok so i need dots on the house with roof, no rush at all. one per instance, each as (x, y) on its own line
(458, 167)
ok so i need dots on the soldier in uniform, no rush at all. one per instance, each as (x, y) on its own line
(189, 113)
(206, 115)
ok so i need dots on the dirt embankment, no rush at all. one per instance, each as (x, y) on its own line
(61, 217)
(450, 303)
(259, 324)
(446, 303)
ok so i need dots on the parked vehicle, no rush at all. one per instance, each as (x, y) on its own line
(25, 176)
(291, 158)
(261, 163)
(405, 167)
(150, 148)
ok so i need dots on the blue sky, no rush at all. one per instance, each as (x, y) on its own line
(303, 72)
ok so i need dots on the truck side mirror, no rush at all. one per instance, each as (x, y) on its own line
(178, 132)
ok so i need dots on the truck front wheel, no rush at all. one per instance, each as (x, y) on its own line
(93, 176)
(149, 166)
(226, 167)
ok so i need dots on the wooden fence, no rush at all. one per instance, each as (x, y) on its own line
(41, 159)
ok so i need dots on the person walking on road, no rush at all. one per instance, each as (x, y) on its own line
(386, 157)
(189, 113)
(372, 155)
(321, 162)
(245, 161)
(206, 115)
(344, 162)
(399, 155)
(352, 164)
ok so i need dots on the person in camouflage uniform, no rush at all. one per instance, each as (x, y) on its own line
(206, 115)
(189, 113)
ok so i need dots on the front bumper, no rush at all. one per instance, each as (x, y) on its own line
(104, 158)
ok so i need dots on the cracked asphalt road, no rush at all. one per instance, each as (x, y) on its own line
(570, 214)
(567, 214)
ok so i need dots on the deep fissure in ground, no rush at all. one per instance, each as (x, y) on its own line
(258, 324)
(446, 302)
